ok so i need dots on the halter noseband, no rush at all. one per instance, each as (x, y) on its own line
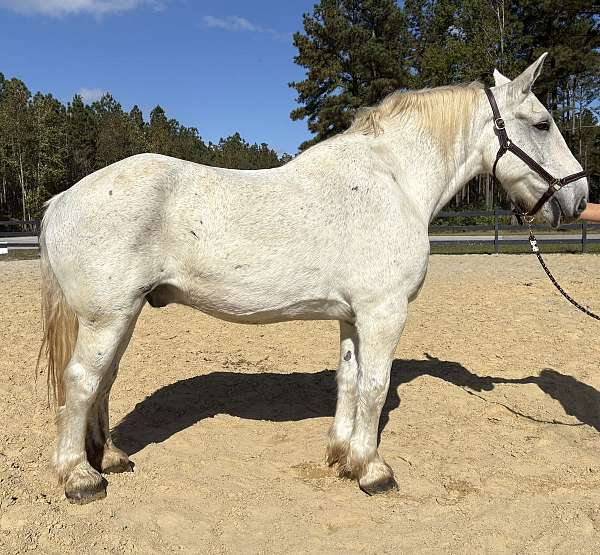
(506, 144)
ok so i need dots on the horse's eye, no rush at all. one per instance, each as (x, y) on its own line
(543, 125)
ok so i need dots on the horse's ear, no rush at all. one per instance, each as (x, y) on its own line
(500, 79)
(523, 83)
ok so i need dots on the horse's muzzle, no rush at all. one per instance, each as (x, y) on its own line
(580, 206)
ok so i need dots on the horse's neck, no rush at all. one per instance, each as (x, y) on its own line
(463, 167)
(433, 177)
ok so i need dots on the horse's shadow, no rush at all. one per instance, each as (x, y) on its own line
(297, 396)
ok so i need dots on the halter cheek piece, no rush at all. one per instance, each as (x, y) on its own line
(506, 144)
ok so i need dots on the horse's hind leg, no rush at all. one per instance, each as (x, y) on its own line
(84, 379)
(347, 377)
(102, 453)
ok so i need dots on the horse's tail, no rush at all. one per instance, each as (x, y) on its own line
(60, 325)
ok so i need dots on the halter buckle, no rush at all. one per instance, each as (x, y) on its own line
(499, 124)
(556, 185)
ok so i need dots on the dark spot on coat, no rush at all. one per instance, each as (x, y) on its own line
(355, 188)
(194, 234)
(347, 356)
(110, 193)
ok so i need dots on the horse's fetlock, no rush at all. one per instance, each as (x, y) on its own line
(356, 461)
(337, 452)
(64, 465)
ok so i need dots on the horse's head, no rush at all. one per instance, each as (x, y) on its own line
(530, 127)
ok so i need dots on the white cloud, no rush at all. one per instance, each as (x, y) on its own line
(237, 23)
(90, 95)
(57, 8)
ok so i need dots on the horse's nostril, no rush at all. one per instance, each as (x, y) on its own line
(581, 206)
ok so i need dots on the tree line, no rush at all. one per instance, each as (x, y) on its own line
(47, 146)
(355, 52)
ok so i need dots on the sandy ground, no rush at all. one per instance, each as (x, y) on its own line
(492, 426)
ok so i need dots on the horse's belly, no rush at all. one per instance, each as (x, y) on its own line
(320, 309)
(253, 304)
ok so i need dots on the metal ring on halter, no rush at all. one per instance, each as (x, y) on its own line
(499, 123)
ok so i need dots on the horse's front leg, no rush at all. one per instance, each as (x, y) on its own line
(379, 329)
(347, 376)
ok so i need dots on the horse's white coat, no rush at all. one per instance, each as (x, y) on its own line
(340, 232)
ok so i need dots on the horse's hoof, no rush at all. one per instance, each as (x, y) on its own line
(379, 486)
(84, 485)
(119, 467)
(115, 461)
(88, 493)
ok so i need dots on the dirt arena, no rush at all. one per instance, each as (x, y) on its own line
(492, 426)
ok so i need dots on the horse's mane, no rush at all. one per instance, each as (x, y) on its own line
(442, 112)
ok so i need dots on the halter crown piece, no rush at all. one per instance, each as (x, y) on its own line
(554, 184)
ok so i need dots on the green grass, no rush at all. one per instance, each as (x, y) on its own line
(25, 254)
(488, 248)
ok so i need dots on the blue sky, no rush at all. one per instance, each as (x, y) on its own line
(221, 66)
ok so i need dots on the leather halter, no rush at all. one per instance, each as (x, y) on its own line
(555, 184)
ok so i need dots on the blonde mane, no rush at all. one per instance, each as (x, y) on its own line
(443, 113)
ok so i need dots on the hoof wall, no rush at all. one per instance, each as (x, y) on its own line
(381, 486)
(83, 496)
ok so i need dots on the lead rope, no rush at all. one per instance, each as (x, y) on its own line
(536, 250)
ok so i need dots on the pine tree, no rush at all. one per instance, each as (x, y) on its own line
(49, 152)
(15, 128)
(81, 138)
(457, 41)
(136, 131)
(112, 124)
(355, 52)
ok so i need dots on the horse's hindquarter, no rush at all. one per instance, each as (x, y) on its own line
(282, 244)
